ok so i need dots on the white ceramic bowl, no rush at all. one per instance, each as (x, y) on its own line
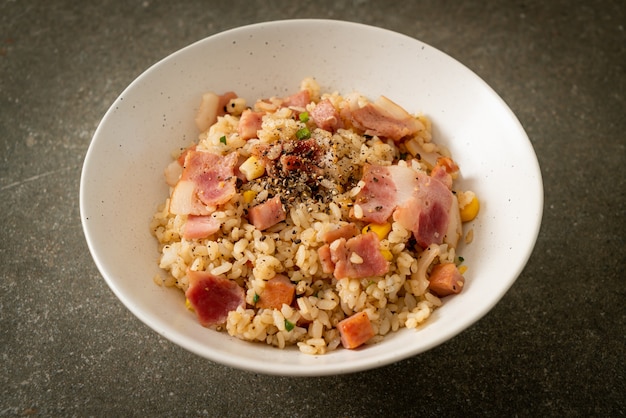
(122, 179)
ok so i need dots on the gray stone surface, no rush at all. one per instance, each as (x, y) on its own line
(554, 346)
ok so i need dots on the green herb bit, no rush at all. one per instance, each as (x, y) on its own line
(223, 139)
(304, 117)
(461, 259)
(303, 133)
(256, 298)
(289, 325)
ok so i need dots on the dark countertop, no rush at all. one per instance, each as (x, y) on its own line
(554, 345)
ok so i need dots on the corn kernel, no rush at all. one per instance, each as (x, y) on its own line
(387, 254)
(252, 168)
(380, 229)
(462, 269)
(249, 195)
(188, 305)
(470, 210)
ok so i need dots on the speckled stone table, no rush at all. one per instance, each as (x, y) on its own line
(554, 345)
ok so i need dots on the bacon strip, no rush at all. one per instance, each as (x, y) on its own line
(346, 231)
(298, 100)
(250, 123)
(378, 197)
(384, 118)
(207, 181)
(421, 204)
(326, 117)
(198, 227)
(427, 212)
(358, 257)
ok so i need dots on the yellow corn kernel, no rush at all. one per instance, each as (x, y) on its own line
(462, 269)
(470, 210)
(252, 168)
(249, 195)
(387, 254)
(380, 229)
(188, 305)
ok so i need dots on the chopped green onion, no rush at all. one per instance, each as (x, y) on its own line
(255, 299)
(289, 325)
(304, 117)
(303, 133)
(223, 140)
(461, 259)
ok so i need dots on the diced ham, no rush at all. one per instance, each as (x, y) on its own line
(250, 123)
(445, 279)
(326, 259)
(326, 117)
(358, 257)
(198, 227)
(384, 118)
(207, 181)
(267, 214)
(444, 171)
(346, 231)
(212, 106)
(278, 290)
(213, 297)
(355, 330)
(297, 100)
